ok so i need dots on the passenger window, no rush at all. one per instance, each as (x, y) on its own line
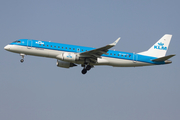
(122, 55)
(51, 45)
(58, 47)
(40, 44)
(73, 48)
(70, 48)
(125, 55)
(47, 45)
(43, 45)
(66, 47)
(111, 54)
(114, 54)
(62, 47)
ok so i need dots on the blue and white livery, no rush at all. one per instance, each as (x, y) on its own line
(70, 55)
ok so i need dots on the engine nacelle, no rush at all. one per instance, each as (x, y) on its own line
(65, 64)
(67, 56)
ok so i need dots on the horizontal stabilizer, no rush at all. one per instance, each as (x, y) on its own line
(162, 58)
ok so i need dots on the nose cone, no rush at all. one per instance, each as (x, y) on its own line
(7, 47)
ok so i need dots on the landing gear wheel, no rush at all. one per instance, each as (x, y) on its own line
(84, 71)
(22, 60)
(88, 67)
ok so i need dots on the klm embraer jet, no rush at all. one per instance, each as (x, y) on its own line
(70, 55)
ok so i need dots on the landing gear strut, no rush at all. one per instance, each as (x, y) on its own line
(22, 60)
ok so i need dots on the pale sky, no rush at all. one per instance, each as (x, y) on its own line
(39, 90)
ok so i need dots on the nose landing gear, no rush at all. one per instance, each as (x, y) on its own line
(22, 55)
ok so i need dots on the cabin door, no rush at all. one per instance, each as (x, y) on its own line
(29, 44)
(135, 57)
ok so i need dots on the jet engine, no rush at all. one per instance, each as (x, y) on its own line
(68, 56)
(65, 64)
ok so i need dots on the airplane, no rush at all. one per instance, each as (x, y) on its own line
(70, 55)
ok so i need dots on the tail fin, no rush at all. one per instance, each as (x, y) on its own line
(160, 48)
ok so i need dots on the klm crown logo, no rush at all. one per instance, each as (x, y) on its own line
(160, 46)
(39, 42)
(69, 56)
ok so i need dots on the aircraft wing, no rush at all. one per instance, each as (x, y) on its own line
(96, 53)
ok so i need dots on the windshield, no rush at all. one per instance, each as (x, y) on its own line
(17, 41)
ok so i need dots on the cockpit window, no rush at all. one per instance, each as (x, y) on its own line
(17, 41)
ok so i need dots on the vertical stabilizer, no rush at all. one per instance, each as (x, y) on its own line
(160, 48)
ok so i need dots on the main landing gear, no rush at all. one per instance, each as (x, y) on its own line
(22, 55)
(86, 68)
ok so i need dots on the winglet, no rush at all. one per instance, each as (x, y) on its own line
(115, 42)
